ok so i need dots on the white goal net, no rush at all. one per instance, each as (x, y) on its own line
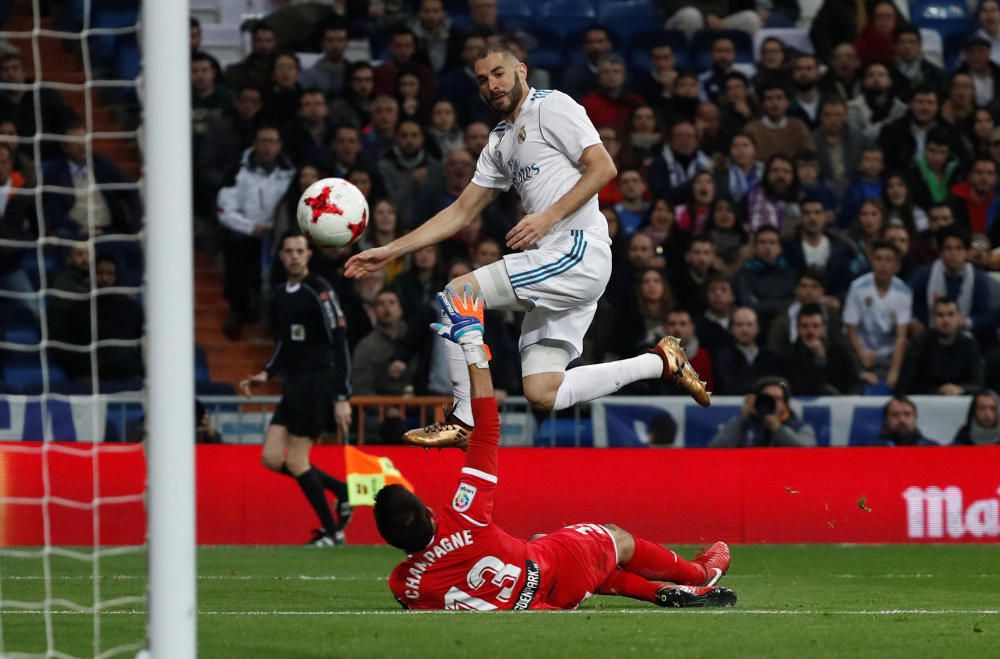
(75, 308)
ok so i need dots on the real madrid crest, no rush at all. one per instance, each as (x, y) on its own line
(521, 135)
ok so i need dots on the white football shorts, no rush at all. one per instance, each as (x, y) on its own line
(558, 285)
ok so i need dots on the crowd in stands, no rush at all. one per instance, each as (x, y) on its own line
(822, 211)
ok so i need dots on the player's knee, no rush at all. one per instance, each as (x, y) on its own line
(540, 398)
(297, 464)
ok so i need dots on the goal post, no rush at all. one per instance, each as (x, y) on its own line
(170, 328)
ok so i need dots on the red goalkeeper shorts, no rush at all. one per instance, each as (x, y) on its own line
(573, 562)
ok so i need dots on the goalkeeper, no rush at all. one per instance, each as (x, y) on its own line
(457, 558)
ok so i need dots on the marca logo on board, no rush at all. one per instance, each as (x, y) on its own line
(933, 512)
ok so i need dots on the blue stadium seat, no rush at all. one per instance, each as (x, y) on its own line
(516, 13)
(701, 46)
(944, 16)
(201, 365)
(566, 16)
(626, 17)
(549, 54)
(563, 433)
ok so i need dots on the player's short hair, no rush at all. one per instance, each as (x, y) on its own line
(498, 49)
(402, 519)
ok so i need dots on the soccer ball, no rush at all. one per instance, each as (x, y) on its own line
(332, 212)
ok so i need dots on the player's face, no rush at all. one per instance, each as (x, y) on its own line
(295, 255)
(808, 291)
(947, 319)
(501, 82)
(986, 410)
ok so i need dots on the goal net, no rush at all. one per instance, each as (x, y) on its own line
(76, 293)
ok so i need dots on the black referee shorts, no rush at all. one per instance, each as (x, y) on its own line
(306, 408)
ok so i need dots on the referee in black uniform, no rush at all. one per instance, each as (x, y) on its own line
(315, 364)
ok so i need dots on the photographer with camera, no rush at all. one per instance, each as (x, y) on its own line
(766, 420)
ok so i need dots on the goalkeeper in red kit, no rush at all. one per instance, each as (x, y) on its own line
(457, 558)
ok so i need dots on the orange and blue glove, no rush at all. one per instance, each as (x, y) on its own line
(465, 327)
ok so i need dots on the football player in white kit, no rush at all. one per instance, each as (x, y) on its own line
(548, 149)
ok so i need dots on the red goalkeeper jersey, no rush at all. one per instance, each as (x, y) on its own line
(471, 563)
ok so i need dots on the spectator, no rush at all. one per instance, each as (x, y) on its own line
(743, 171)
(581, 78)
(633, 208)
(903, 140)
(678, 162)
(18, 102)
(662, 431)
(87, 211)
(877, 314)
(641, 256)
(247, 204)
(709, 126)
(951, 276)
(681, 326)
(371, 372)
(944, 360)
(899, 425)
(765, 282)
(867, 229)
(841, 78)
(713, 325)
(609, 104)
(810, 289)
(822, 250)
(402, 51)
(983, 128)
(932, 176)
(775, 201)
(984, 72)
(866, 183)
(988, 17)
(209, 100)
(407, 168)
(982, 425)
(876, 106)
(23, 164)
(959, 108)
(459, 86)
(444, 132)
(643, 138)
(773, 67)
(119, 317)
(656, 85)
(836, 24)
(693, 216)
(899, 206)
(765, 420)
(420, 282)
(281, 96)
(223, 143)
(256, 69)
(347, 153)
(307, 140)
(17, 222)
(409, 98)
(978, 197)
(819, 363)
(742, 361)
(384, 229)
(838, 145)
(723, 59)
(911, 69)
(775, 133)
(688, 281)
(379, 136)
(195, 36)
(713, 15)
(439, 192)
(354, 107)
(646, 322)
(684, 100)
(728, 235)
(329, 73)
(807, 169)
(660, 226)
(875, 43)
(897, 236)
(737, 106)
(477, 135)
(806, 101)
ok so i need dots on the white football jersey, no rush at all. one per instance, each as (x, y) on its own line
(539, 154)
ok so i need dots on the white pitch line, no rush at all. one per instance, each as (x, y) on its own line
(204, 577)
(588, 612)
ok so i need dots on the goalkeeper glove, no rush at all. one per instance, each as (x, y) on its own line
(465, 314)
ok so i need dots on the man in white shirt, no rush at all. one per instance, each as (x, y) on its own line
(550, 152)
(877, 314)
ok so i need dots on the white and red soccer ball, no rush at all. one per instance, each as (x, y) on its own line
(332, 212)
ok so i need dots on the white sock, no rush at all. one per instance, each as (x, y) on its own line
(461, 388)
(590, 382)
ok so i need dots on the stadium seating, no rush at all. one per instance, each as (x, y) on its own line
(566, 16)
(516, 13)
(626, 17)
(946, 17)
(794, 38)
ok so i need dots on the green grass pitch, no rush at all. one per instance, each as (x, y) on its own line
(794, 601)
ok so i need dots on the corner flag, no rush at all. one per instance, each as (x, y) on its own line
(367, 474)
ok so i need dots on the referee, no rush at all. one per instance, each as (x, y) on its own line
(314, 361)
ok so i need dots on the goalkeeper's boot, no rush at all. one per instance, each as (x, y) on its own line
(676, 596)
(677, 368)
(322, 539)
(441, 434)
(715, 560)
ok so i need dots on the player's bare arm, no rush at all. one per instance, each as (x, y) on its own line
(600, 168)
(445, 224)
